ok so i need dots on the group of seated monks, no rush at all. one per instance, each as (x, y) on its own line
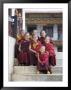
(36, 51)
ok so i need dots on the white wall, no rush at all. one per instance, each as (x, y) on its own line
(59, 55)
(11, 44)
(59, 58)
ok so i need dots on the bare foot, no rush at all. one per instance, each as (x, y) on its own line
(37, 72)
(48, 72)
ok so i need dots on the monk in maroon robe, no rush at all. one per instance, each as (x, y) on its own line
(50, 49)
(19, 39)
(34, 47)
(42, 38)
(18, 42)
(43, 63)
(24, 55)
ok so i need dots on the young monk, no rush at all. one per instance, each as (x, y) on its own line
(43, 63)
(19, 39)
(42, 38)
(52, 56)
(24, 56)
(34, 47)
(34, 32)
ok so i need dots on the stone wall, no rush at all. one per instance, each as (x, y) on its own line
(11, 44)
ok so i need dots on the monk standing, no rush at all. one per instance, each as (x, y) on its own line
(52, 56)
(24, 56)
(42, 38)
(19, 38)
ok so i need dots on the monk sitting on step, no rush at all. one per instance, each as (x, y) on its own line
(43, 63)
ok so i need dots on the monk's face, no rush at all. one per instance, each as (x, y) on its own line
(43, 34)
(35, 38)
(42, 49)
(47, 40)
(27, 36)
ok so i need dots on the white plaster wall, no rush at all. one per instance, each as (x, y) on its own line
(59, 55)
(11, 44)
(59, 58)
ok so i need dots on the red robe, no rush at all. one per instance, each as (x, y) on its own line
(52, 57)
(19, 40)
(42, 40)
(24, 55)
(44, 61)
(35, 47)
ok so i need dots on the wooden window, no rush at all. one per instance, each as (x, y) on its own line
(59, 48)
(49, 30)
(60, 32)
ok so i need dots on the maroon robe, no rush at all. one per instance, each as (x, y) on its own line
(52, 57)
(42, 40)
(33, 55)
(37, 47)
(44, 58)
(24, 55)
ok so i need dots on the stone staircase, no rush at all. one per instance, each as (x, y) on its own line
(29, 73)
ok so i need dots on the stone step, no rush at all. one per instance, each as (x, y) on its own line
(57, 69)
(37, 77)
(25, 69)
(33, 69)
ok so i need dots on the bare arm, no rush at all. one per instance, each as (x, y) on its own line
(38, 58)
(47, 57)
